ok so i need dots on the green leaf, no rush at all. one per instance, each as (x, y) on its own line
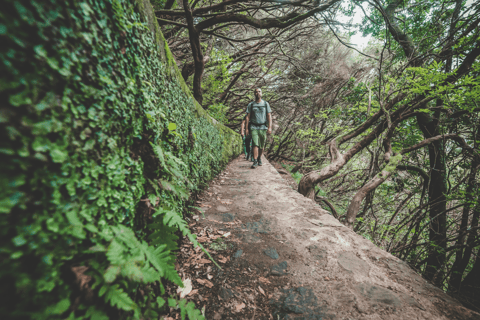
(115, 253)
(19, 241)
(172, 126)
(120, 299)
(111, 274)
(61, 306)
(160, 302)
(58, 156)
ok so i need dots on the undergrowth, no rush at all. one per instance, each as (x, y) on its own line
(101, 150)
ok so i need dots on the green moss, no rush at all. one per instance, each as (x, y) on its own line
(234, 142)
(95, 174)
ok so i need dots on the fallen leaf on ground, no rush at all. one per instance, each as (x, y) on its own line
(82, 279)
(205, 282)
(222, 259)
(204, 205)
(261, 290)
(209, 277)
(203, 239)
(203, 261)
(327, 278)
(187, 288)
(193, 292)
(239, 307)
(226, 234)
(264, 280)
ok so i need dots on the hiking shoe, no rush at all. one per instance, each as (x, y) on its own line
(254, 165)
(259, 162)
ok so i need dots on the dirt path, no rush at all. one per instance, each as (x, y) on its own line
(292, 260)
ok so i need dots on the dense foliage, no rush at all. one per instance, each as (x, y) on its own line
(102, 147)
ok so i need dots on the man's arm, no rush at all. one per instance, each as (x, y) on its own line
(269, 117)
(242, 128)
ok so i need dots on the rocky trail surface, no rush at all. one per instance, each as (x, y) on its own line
(283, 257)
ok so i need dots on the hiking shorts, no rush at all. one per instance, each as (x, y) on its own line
(259, 137)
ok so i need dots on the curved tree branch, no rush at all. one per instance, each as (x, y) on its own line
(266, 23)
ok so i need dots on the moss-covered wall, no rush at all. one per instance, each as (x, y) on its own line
(232, 142)
(103, 143)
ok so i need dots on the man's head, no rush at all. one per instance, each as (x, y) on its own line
(258, 93)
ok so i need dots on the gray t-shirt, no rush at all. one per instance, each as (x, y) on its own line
(258, 114)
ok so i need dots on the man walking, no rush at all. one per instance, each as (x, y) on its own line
(258, 123)
(247, 139)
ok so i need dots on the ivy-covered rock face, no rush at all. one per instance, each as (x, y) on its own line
(101, 146)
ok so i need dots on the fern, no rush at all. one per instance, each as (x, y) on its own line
(176, 189)
(172, 218)
(186, 309)
(120, 299)
(192, 312)
(111, 273)
(159, 153)
(163, 261)
(115, 253)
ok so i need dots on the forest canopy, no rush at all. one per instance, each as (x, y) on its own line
(385, 137)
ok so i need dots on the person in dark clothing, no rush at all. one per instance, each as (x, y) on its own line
(258, 124)
(247, 139)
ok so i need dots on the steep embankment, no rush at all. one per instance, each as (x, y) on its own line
(293, 260)
(102, 144)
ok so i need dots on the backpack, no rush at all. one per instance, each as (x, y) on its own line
(265, 104)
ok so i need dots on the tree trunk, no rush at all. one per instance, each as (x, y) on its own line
(463, 255)
(470, 289)
(199, 62)
(309, 180)
(436, 194)
(354, 206)
(377, 180)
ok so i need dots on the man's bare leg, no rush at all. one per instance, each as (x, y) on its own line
(255, 153)
(260, 152)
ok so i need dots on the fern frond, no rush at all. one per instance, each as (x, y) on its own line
(159, 153)
(115, 253)
(163, 261)
(120, 299)
(186, 309)
(192, 312)
(172, 218)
